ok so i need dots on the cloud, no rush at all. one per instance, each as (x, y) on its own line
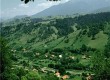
(2, 12)
(64, 1)
(24, 5)
(51, 3)
(47, 4)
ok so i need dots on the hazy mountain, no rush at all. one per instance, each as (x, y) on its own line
(73, 7)
(105, 9)
(13, 19)
(20, 17)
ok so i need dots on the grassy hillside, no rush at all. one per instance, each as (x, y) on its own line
(58, 33)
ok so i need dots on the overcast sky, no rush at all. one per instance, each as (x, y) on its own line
(11, 8)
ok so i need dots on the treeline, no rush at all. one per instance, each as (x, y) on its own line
(93, 22)
(63, 25)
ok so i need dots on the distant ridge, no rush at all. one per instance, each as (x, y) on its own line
(73, 7)
(105, 9)
(21, 16)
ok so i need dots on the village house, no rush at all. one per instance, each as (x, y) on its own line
(13, 50)
(72, 57)
(89, 77)
(57, 74)
(84, 57)
(43, 70)
(24, 49)
(37, 54)
(53, 56)
(65, 77)
(60, 56)
(46, 55)
(35, 70)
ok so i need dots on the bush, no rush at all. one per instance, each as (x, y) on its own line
(33, 76)
(66, 41)
(78, 66)
(50, 77)
(62, 70)
(51, 65)
(84, 48)
(10, 76)
(58, 50)
(23, 78)
(57, 66)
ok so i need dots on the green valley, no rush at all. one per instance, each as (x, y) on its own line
(57, 48)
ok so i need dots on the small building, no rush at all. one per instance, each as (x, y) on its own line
(57, 74)
(89, 77)
(24, 49)
(37, 54)
(43, 70)
(72, 57)
(84, 57)
(46, 55)
(65, 77)
(35, 70)
(60, 56)
(53, 55)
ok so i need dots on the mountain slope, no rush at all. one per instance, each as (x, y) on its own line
(91, 30)
(105, 9)
(73, 7)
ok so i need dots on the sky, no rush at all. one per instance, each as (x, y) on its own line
(12, 8)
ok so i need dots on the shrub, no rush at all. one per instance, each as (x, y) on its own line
(33, 76)
(51, 65)
(62, 70)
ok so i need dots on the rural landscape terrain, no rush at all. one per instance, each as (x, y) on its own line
(57, 47)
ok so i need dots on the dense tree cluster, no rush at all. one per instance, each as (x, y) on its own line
(5, 60)
(101, 66)
(93, 22)
(101, 62)
(63, 26)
